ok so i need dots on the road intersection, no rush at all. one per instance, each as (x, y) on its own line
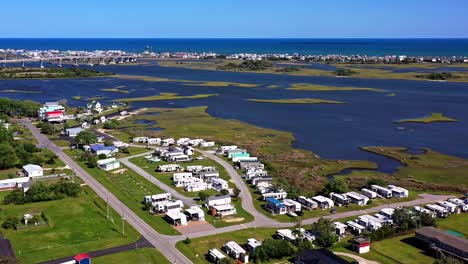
(166, 244)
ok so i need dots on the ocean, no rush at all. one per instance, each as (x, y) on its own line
(374, 47)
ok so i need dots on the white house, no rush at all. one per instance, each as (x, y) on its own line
(307, 203)
(398, 192)
(286, 234)
(221, 204)
(168, 168)
(195, 213)
(386, 193)
(108, 164)
(99, 149)
(216, 255)
(357, 198)
(323, 202)
(153, 141)
(219, 184)
(276, 195)
(369, 193)
(218, 200)
(340, 229)
(176, 218)
(252, 244)
(236, 251)
(73, 132)
(167, 141)
(340, 199)
(94, 106)
(207, 144)
(168, 206)
(208, 176)
(182, 141)
(32, 170)
(196, 186)
(157, 197)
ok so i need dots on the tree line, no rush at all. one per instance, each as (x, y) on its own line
(39, 192)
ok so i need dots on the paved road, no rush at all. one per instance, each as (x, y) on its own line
(157, 240)
(140, 243)
(245, 195)
(359, 259)
(186, 200)
(166, 244)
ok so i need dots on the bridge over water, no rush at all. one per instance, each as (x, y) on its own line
(74, 60)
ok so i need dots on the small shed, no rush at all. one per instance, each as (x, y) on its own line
(361, 245)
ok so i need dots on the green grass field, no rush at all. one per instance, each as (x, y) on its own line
(135, 256)
(76, 225)
(369, 71)
(458, 223)
(164, 96)
(430, 167)
(433, 117)
(324, 88)
(296, 101)
(130, 188)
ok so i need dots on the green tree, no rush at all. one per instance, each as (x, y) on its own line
(86, 138)
(202, 196)
(48, 128)
(427, 219)
(325, 231)
(187, 241)
(224, 192)
(376, 181)
(16, 196)
(337, 185)
(5, 135)
(102, 156)
(11, 222)
(92, 162)
(8, 157)
(236, 192)
(108, 142)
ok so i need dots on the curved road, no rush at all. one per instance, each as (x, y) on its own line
(166, 244)
(157, 240)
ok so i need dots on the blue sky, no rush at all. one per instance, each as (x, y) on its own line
(235, 18)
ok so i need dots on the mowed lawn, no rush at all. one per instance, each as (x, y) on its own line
(130, 188)
(135, 256)
(458, 223)
(200, 246)
(402, 249)
(76, 225)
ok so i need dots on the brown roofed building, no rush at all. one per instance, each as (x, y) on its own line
(441, 240)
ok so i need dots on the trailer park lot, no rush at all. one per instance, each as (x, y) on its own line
(259, 204)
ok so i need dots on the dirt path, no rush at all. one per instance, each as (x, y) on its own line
(359, 259)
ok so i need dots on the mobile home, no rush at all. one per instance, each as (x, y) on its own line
(382, 191)
(369, 193)
(323, 202)
(307, 203)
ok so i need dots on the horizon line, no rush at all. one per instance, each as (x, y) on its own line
(244, 38)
